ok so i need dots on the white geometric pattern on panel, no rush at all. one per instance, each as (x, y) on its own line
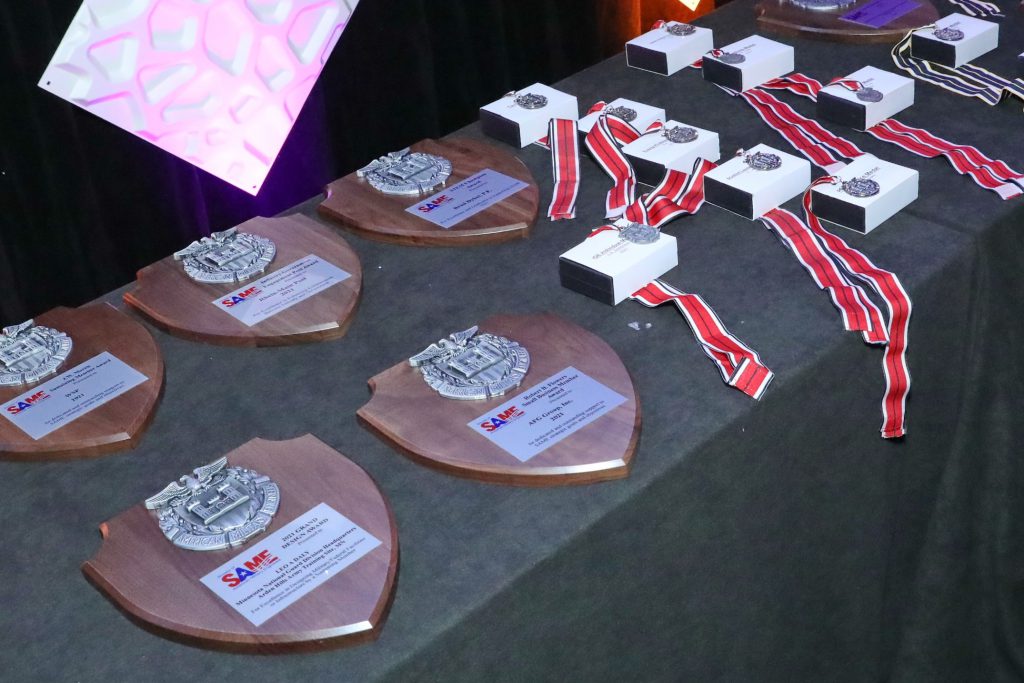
(218, 83)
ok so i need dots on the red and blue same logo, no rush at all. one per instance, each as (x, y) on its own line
(28, 402)
(493, 424)
(436, 202)
(258, 563)
(241, 297)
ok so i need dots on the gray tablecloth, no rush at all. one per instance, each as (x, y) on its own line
(781, 540)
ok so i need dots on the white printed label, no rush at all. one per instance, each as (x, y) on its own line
(467, 198)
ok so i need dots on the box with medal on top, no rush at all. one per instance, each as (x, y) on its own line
(669, 48)
(747, 63)
(529, 400)
(865, 98)
(756, 181)
(76, 382)
(954, 40)
(865, 193)
(636, 114)
(449, 192)
(266, 282)
(277, 546)
(675, 146)
(520, 117)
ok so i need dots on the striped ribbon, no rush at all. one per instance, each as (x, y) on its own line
(565, 168)
(978, 8)
(605, 141)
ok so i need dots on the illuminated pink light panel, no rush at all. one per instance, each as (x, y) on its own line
(218, 83)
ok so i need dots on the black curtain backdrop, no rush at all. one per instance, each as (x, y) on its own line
(83, 204)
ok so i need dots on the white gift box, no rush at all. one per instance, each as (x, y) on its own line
(898, 186)
(735, 186)
(505, 120)
(980, 36)
(645, 116)
(609, 268)
(842, 105)
(665, 53)
(653, 154)
(763, 60)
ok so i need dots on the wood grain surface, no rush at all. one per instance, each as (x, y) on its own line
(115, 425)
(174, 302)
(158, 584)
(433, 431)
(781, 16)
(369, 213)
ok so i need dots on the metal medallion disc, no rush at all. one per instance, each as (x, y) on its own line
(949, 34)
(823, 5)
(680, 29)
(869, 95)
(624, 113)
(731, 58)
(763, 161)
(405, 172)
(861, 187)
(228, 256)
(638, 233)
(468, 366)
(680, 134)
(531, 101)
(28, 353)
(215, 507)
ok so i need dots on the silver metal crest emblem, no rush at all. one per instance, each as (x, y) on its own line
(215, 507)
(680, 29)
(861, 187)
(406, 172)
(624, 113)
(638, 233)
(470, 366)
(763, 161)
(869, 95)
(732, 58)
(823, 5)
(948, 34)
(28, 353)
(226, 257)
(529, 100)
(680, 134)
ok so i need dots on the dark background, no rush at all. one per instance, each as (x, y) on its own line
(83, 204)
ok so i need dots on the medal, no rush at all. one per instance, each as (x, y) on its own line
(215, 507)
(869, 95)
(226, 257)
(405, 172)
(468, 366)
(680, 29)
(860, 187)
(529, 100)
(823, 5)
(731, 58)
(680, 134)
(28, 353)
(624, 113)
(948, 34)
(763, 161)
(638, 233)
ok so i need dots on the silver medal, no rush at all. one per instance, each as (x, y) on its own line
(869, 95)
(405, 172)
(530, 100)
(763, 161)
(638, 233)
(680, 29)
(470, 366)
(28, 353)
(226, 257)
(823, 5)
(949, 34)
(680, 134)
(624, 113)
(731, 58)
(860, 187)
(216, 507)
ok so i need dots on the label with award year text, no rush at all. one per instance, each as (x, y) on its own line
(467, 198)
(256, 301)
(274, 572)
(69, 395)
(546, 413)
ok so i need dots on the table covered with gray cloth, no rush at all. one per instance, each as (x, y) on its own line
(754, 541)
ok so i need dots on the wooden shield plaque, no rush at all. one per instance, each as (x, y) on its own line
(172, 301)
(372, 214)
(433, 430)
(115, 425)
(787, 18)
(157, 584)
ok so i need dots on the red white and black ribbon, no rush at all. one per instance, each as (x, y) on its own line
(605, 141)
(565, 168)
(678, 194)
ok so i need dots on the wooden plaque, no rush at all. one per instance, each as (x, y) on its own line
(782, 16)
(377, 216)
(433, 431)
(157, 584)
(175, 303)
(115, 425)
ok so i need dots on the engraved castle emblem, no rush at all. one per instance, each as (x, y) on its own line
(406, 172)
(215, 507)
(227, 257)
(29, 353)
(470, 366)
